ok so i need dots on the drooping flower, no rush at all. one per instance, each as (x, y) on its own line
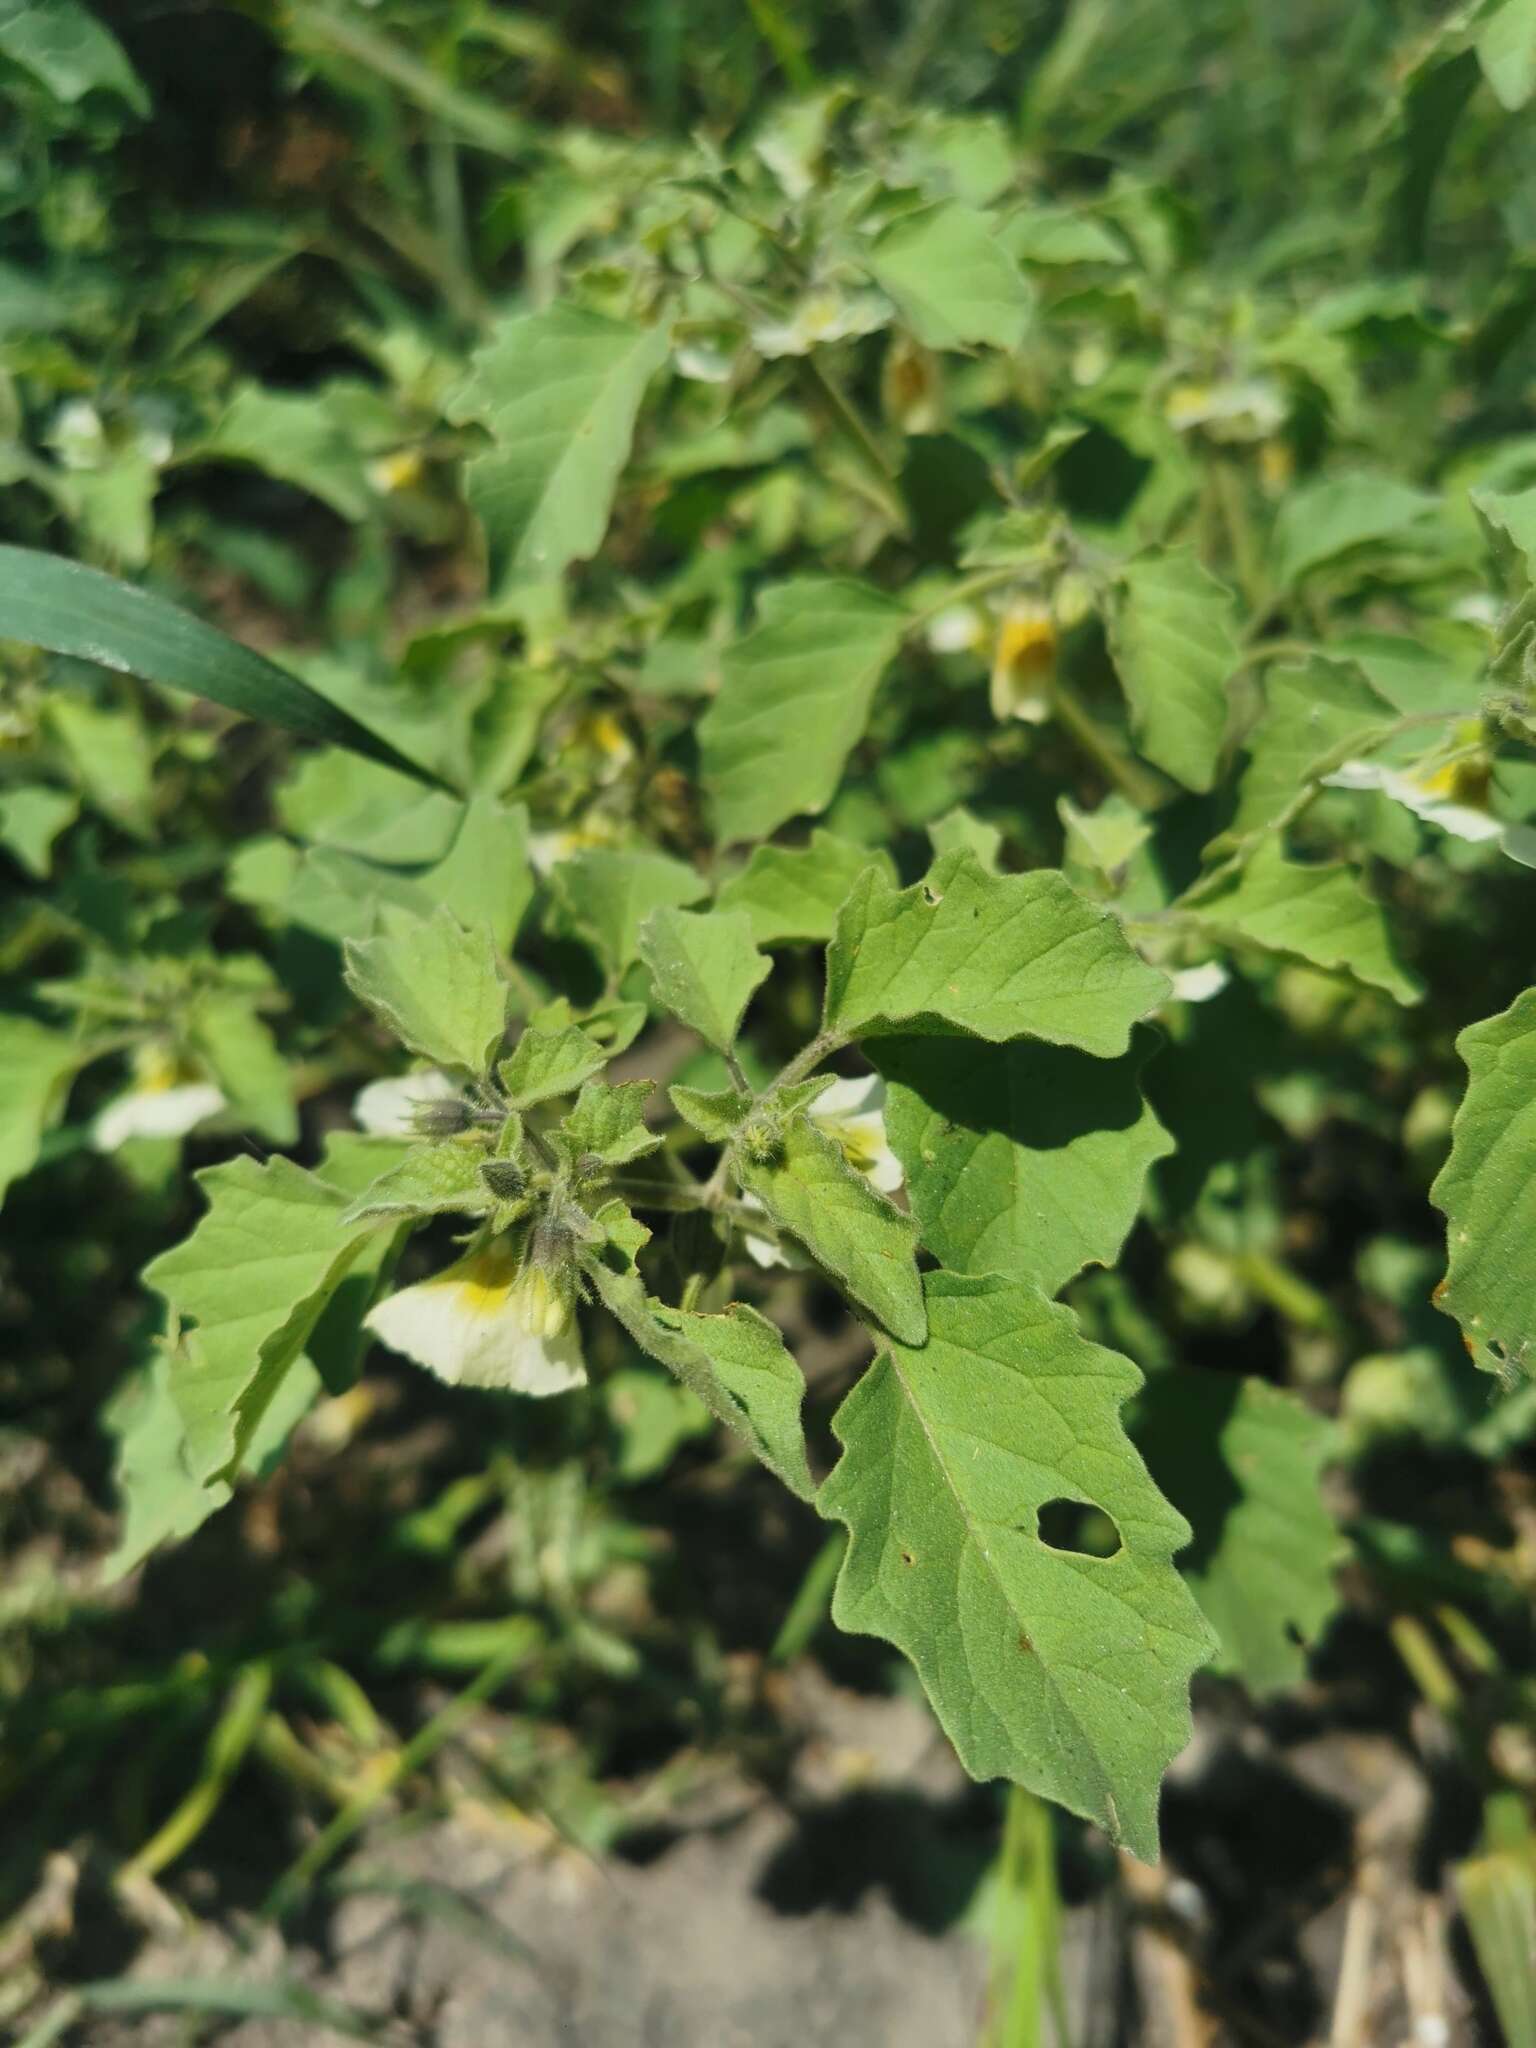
(393, 1108)
(1437, 795)
(1024, 662)
(823, 315)
(167, 1099)
(489, 1320)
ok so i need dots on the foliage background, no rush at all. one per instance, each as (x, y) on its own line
(245, 258)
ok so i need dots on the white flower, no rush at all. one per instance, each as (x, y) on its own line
(165, 1101)
(388, 1109)
(956, 629)
(763, 1251)
(1198, 984)
(853, 1114)
(1024, 663)
(1243, 409)
(1426, 795)
(820, 317)
(487, 1321)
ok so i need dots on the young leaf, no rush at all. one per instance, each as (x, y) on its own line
(610, 1121)
(1487, 1190)
(1315, 911)
(546, 1063)
(1506, 49)
(558, 392)
(35, 1066)
(1001, 956)
(705, 967)
(257, 1081)
(1243, 1461)
(735, 1363)
(31, 818)
(1023, 1159)
(431, 1180)
(951, 278)
(795, 892)
(69, 609)
(609, 894)
(961, 831)
(810, 1190)
(1066, 1672)
(794, 698)
(255, 1274)
(1175, 649)
(435, 985)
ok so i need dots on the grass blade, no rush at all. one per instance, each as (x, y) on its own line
(48, 601)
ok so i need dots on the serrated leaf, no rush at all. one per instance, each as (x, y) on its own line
(435, 985)
(1314, 911)
(961, 831)
(338, 1344)
(35, 1066)
(1242, 1461)
(715, 1113)
(1317, 716)
(1105, 839)
(794, 699)
(558, 392)
(735, 1363)
(31, 818)
(547, 1063)
(999, 956)
(1175, 646)
(255, 1274)
(846, 1225)
(69, 609)
(1320, 522)
(609, 1119)
(794, 892)
(1487, 1190)
(608, 895)
(952, 280)
(705, 967)
(1023, 1159)
(1066, 1672)
(431, 1180)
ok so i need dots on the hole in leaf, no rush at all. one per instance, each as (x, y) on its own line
(1294, 1635)
(907, 1556)
(932, 896)
(1025, 1644)
(1077, 1526)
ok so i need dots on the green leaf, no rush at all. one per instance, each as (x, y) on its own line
(608, 895)
(1314, 911)
(1318, 716)
(716, 1114)
(1487, 1190)
(46, 601)
(609, 1119)
(31, 818)
(300, 437)
(1321, 521)
(1066, 1672)
(951, 279)
(109, 751)
(435, 985)
(254, 1275)
(1104, 840)
(748, 1357)
(558, 391)
(485, 878)
(1175, 647)
(795, 892)
(1506, 49)
(1243, 1462)
(735, 1363)
(431, 1180)
(1002, 956)
(847, 1226)
(224, 1027)
(546, 1063)
(35, 1068)
(960, 831)
(706, 968)
(63, 45)
(795, 696)
(1022, 1159)
(333, 798)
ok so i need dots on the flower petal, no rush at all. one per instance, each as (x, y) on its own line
(155, 1113)
(387, 1109)
(475, 1325)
